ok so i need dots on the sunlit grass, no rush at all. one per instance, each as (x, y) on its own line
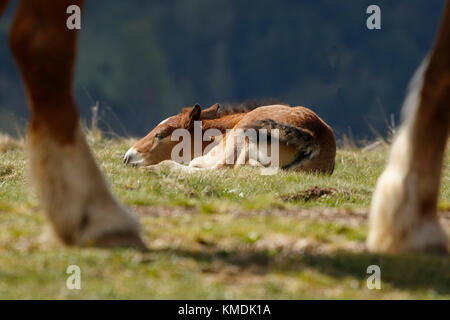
(217, 234)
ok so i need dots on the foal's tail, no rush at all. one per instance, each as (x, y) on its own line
(300, 139)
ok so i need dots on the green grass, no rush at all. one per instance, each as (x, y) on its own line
(243, 188)
(228, 234)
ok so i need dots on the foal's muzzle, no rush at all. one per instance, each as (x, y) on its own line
(132, 157)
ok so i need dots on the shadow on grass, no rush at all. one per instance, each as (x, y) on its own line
(402, 271)
(410, 272)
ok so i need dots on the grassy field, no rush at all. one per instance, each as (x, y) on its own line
(231, 234)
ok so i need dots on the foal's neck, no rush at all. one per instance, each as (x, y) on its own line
(224, 122)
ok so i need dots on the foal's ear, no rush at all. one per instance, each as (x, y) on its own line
(194, 112)
(191, 115)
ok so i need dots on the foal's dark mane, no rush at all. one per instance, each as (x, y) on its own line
(228, 108)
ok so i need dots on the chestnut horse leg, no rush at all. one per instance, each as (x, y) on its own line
(72, 190)
(404, 207)
(3, 4)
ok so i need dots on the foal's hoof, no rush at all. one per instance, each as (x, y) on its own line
(121, 240)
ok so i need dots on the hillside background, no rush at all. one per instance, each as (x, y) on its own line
(144, 60)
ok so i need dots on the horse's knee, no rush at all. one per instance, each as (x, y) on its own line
(44, 50)
(23, 35)
(42, 45)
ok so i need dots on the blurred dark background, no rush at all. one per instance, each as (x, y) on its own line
(143, 60)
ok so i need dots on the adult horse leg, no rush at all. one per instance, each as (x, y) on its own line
(404, 207)
(72, 190)
(3, 4)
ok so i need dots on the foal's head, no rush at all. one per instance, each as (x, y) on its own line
(157, 145)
